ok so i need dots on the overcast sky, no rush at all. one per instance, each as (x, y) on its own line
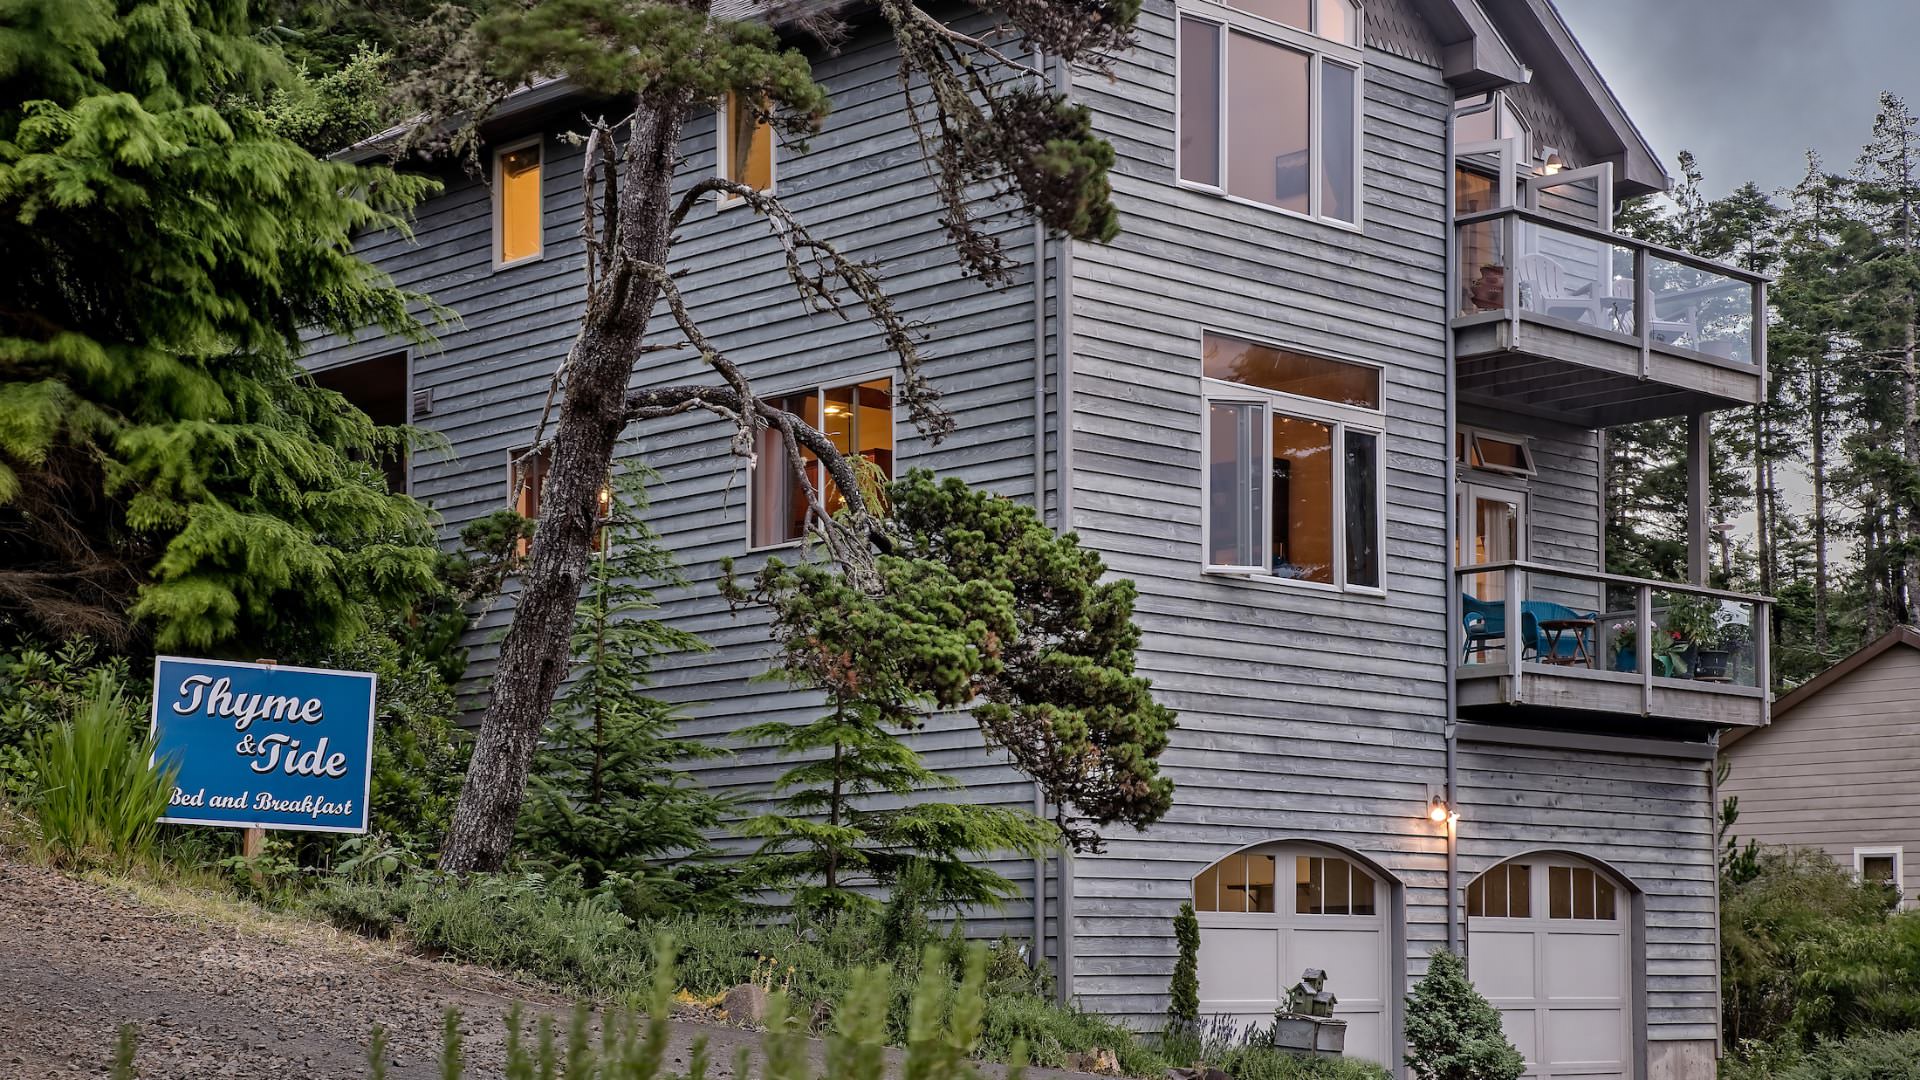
(1750, 85)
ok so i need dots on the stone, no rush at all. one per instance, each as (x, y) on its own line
(745, 1004)
(1098, 1061)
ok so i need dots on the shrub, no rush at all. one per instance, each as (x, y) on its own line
(40, 686)
(1183, 1005)
(1870, 1056)
(96, 791)
(1808, 952)
(549, 931)
(1452, 1032)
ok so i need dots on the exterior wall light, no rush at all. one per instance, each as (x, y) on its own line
(1439, 812)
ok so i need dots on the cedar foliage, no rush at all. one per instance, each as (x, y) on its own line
(608, 797)
(1452, 1032)
(163, 465)
(1183, 1004)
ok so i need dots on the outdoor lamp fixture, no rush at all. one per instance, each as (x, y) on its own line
(1554, 162)
(1439, 812)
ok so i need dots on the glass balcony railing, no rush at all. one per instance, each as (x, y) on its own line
(1519, 264)
(1523, 620)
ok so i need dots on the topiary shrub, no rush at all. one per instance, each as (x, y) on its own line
(1452, 1032)
(1183, 1005)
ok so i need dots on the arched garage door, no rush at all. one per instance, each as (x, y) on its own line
(1271, 912)
(1548, 944)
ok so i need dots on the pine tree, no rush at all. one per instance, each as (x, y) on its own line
(1452, 1032)
(982, 605)
(609, 795)
(164, 466)
(858, 811)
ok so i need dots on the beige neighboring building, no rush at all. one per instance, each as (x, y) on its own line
(1839, 767)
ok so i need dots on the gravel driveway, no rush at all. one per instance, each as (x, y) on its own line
(214, 996)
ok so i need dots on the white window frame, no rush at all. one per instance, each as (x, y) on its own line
(723, 156)
(1320, 51)
(1897, 852)
(1503, 111)
(819, 392)
(499, 232)
(1474, 434)
(1339, 419)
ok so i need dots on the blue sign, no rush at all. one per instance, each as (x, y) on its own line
(264, 746)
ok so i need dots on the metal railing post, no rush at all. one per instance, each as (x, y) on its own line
(1643, 642)
(1758, 338)
(1763, 652)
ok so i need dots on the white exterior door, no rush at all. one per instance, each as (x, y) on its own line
(1548, 945)
(1269, 914)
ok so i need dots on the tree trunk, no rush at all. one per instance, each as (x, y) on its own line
(1817, 423)
(533, 658)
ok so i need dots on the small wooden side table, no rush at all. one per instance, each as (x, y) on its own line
(1555, 629)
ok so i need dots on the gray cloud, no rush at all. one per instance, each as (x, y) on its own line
(1750, 85)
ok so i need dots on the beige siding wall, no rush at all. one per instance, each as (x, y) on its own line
(1840, 771)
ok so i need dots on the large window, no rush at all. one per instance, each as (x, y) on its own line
(746, 146)
(858, 418)
(1269, 103)
(516, 203)
(1292, 453)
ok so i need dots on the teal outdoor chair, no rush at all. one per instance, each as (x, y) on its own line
(1485, 622)
(1535, 612)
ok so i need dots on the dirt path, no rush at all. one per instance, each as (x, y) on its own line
(217, 997)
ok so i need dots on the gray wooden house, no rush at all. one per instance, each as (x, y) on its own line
(1335, 400)
(1839, 769)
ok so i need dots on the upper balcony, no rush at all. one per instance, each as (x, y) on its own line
(1607, 652)
(1579, 325)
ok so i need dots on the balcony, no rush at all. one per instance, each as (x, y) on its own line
(1605, 652)
(1585, 327)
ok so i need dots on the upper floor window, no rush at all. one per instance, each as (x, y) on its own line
(858, 418)
(1494, 452)
(746, 146)
(1270, 105)
(1292, 460)
(516, 202)
(1485, 118)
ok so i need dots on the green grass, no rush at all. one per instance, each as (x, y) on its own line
(95, 794)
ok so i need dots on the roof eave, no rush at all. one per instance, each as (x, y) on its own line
(1474, 57)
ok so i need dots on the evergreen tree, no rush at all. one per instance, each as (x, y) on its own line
(857, 810)
(1452, 1032)
(979, 604)
(1183, 1001)
(609, 795)
(993, 130)
(161, 456)
(1063, 700)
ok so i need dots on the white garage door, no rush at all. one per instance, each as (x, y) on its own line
(1268, 914)
(1547, 943)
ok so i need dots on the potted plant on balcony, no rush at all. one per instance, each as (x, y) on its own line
(1694, 623)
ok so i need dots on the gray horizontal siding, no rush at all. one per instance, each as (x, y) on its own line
(1304, 714)
(1649, 818)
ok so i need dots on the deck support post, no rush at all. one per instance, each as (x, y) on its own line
(1699, 496)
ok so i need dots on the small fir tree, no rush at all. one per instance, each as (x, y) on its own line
(1183, 1007)
(1452, 1032)
(856, 811)
(609, 796)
